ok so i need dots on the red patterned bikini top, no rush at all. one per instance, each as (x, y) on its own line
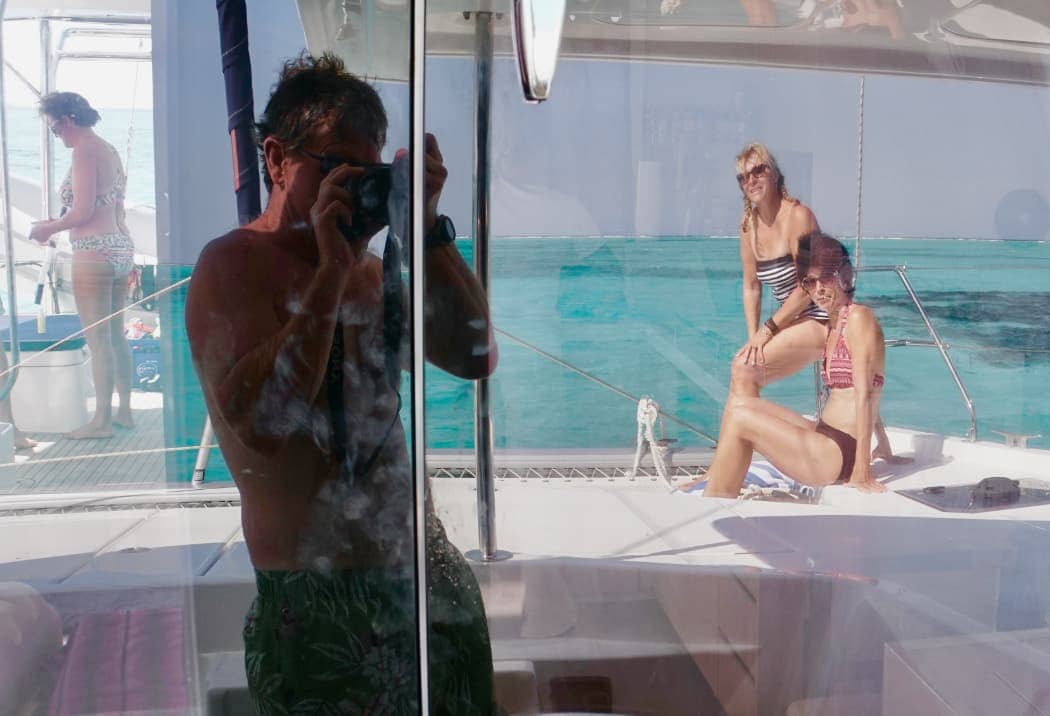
(838, 368)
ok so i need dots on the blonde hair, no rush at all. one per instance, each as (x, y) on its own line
(760, 152)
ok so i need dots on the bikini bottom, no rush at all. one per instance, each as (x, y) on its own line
(847, 446)
(117, 248)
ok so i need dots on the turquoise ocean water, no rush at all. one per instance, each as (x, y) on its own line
(662, 317)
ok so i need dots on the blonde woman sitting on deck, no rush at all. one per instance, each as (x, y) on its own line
(853, 364)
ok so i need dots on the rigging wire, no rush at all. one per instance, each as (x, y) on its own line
(860, 171)
(605, 384)
(104, 319)
(131, 122)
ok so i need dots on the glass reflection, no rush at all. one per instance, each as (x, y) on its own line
(301, 370)
(616, 268)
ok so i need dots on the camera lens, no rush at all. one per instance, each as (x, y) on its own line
(373, 190)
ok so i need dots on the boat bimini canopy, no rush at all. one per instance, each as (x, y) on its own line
(126, 11)
(995, 40)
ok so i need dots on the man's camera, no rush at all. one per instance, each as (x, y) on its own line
(371, 192)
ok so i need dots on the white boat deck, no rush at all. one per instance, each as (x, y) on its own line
(617, 573)
(130, 460)
(640, 519)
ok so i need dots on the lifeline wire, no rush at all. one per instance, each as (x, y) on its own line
(860, 169)
(604, 384)
(100, 321)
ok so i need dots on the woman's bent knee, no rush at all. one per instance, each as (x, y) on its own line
(744, 379)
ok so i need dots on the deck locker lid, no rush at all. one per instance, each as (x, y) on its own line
(59, 328)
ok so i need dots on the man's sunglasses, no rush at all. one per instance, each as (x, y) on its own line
(754, 173)
(329, 162)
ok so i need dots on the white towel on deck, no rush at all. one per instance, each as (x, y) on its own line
(763, 474)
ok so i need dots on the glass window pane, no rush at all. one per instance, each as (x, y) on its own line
(915, 133)
(166, 562)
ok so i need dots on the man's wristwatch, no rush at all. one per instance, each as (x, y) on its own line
(442, 233)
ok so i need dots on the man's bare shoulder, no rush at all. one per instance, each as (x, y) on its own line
(229, 268)
(231, 287)
(239, 244)
(243, 253)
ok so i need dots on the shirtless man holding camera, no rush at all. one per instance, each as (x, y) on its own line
(314, 443)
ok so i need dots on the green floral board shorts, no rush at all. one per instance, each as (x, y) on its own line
(345, 642)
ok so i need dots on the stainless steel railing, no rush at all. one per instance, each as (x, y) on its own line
(936, 342)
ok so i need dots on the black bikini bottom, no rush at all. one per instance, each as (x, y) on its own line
(847, 446)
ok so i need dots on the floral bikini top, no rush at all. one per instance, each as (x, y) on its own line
(108, 198)
(838, 367)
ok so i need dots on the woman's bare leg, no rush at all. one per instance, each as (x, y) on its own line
(782, 436)
(121, 354)
(93, 278)
(788, 352)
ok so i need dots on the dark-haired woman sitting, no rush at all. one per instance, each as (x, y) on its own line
(836, 447)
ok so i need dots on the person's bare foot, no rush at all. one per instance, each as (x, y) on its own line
(868, 486)
(124, 420)
(22, 442)
(687, 486)
(92, 431)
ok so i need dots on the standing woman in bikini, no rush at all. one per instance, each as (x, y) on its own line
(793, 335)
(92, 197)
(834, 448)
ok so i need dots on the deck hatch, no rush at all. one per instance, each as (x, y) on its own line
(991, 493)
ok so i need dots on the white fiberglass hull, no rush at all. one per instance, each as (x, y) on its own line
(629, 577)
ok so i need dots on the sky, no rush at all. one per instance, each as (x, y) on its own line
(105, 84)
(641, 149)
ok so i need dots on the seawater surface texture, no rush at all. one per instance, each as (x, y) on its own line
(663, 317)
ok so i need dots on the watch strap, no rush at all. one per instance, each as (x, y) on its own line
(442, 233)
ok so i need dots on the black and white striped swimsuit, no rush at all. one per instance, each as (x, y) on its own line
(782, 278)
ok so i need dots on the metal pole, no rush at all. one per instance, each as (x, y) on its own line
(939, 344)
(47, 147)
(203, 453)
(482, 397)
(971, 434)
(417, 136)
(9, 232)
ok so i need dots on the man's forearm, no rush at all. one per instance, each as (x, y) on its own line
(460, 338)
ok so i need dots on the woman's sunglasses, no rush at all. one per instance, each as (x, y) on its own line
(809, 283)
(754, 173)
